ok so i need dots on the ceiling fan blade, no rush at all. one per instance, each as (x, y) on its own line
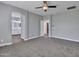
(38, 7)
(51, 6)
(72, 7)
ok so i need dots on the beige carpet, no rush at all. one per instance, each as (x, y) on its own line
(41, 47)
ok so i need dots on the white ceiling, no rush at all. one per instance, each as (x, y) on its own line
(30, 6)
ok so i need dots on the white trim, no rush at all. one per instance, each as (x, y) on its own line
(26, 39)
(22, 38)
(34, 37)
(65, 38)
(31, 38)
(5, 44)
(49, 36)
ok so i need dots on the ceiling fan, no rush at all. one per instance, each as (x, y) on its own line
(45, 6)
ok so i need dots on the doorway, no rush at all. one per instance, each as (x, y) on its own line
(47, 26)
(44, 29)
(16, 27)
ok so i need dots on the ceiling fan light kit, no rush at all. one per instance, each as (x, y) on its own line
(45, 7)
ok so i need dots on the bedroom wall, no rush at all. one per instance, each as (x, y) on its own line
(5, 28)
(66, 25)
(34, 25)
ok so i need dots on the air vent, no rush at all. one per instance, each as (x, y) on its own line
(72, 7)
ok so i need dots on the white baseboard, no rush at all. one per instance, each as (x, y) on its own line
(31, 38)
(5, 44)
(65, 38)
(34, 37)
(49, 36)
(22, 37)
(26, 39)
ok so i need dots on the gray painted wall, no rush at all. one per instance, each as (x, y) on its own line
(30, 24)
(5, 29)
(66, 25)
(34, 25)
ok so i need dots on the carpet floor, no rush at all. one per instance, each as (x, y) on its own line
(41, 47)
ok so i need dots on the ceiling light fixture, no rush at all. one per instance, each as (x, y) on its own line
(45, 7)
